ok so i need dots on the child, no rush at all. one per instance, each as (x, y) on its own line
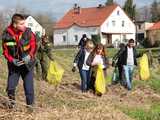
(96, 58)
(84, 69)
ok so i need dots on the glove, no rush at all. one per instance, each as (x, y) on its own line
(17, 63)
(73, 69)
(26, 59)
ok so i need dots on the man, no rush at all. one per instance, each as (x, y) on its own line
(82, 41)
(19, 46)
(128, 60)
(45, 55)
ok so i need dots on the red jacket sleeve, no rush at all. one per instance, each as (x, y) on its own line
(6, 53)
(33, 45)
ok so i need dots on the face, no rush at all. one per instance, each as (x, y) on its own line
(20, 25)
(99, 51)
(131, 44)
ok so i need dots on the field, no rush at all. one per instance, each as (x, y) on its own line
(66, 102)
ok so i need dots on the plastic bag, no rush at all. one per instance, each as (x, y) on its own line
(100, 83)
(144, 68)
(115, 76)
(55, 73)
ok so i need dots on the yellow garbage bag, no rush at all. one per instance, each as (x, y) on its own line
(100, 83)
(55, 73)
(144, 68)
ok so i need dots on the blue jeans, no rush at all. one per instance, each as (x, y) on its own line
(85, 79)
(128, 72)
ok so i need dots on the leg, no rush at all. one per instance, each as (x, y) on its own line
(131, 68)
(28, 84)
(13, 78)
(88, 80)
(83, 76)
(126, 72)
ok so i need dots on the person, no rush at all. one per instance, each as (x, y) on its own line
(84, 69)
(128, 60)
(19, 46)
(45, 55)
(82, 41)
(116, 62)
(98, 56)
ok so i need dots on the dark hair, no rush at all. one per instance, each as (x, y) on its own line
(17, 17)
(99, 46)
(121, 45)
(84, 35)
(131, 41)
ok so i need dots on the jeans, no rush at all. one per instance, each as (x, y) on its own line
(85, 79)
(13, 79)
(128, 72)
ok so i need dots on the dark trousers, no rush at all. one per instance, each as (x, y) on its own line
(13, 79)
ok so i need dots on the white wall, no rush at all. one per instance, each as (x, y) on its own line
(34, 25)
(129, 27)
(70, 34)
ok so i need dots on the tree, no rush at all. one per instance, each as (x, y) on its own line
(130, 9)
(155, 13)
(109, 2)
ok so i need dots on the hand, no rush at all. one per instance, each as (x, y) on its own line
(26, 59)
(17, 63)
(73, 69)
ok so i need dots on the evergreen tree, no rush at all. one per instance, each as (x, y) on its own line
(109, 2)
(155, 14)
(130, 9)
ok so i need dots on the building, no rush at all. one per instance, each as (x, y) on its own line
(34, 25)
(108, 23)
(141, 30)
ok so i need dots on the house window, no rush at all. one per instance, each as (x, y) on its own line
(76, 38)
(139, 27)
(113, 23)
(118, 12)
(64, 38)
(30, 24)
(123, 23)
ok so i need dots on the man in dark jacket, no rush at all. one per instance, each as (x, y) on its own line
(19, 46)
(82, 41)
(127, 58)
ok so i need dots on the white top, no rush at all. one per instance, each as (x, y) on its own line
(130, 56)
(98, 60)
(85, 66)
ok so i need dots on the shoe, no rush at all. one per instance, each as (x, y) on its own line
(30, 109)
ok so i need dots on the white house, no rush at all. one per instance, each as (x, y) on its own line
(109, 22)
(34, 25)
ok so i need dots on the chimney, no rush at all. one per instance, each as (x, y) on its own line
(100, 6)
(77, 9)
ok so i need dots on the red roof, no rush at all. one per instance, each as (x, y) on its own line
(88, 17)
(156, 26)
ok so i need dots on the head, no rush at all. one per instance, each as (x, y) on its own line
(121, 45)
(131, 43)
(89, 45)
(18, 22)
(99, 49)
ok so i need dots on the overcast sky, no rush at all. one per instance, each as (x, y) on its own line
(58, 7)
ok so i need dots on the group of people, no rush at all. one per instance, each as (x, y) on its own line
(20, 46)
(90, 56)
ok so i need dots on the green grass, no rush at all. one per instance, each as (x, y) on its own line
(141, 114)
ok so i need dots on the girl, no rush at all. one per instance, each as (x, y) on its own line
(96, 58)
(84, 69)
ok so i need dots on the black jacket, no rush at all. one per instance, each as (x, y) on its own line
(122, 56)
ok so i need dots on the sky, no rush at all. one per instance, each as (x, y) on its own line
(57, 8)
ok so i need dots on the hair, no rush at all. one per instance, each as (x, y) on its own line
(131, 41)
(100, 46)
(89, 44)
(121, 45)
(17, 17)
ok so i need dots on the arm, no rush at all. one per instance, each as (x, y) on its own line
(77, 57)
(33, 46)
(90, 59)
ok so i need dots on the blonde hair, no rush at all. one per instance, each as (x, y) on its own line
(89, 44)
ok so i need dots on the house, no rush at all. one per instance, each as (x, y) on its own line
(153, 33)
(109, 23)
(34, 25)
(141, 29)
